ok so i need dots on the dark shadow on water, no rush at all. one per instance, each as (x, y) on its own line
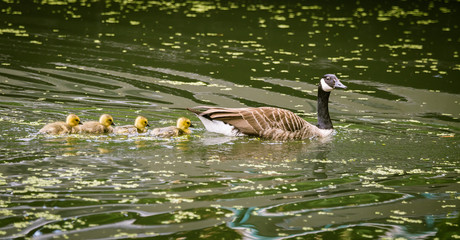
(440, 116)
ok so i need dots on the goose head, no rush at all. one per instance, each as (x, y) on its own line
(106, 120)
(184, 123)
(329, 82)
(141, 122)
(73, 120)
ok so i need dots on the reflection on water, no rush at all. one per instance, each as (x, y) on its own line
(390, 171)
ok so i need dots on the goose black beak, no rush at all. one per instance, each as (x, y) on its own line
(338, 84)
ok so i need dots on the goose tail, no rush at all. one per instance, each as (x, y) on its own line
(214, 125)
(194, 110)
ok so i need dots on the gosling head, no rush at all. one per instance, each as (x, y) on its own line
(106, 120)
(184, 123)
(141, 122)
(73, 120)
(329, 82)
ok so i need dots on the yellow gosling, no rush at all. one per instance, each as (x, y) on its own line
(103, 126)
(139, 126)
(173, 131)
(69, 126)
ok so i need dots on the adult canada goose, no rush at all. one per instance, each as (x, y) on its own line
(139, 126)
(269, 122)
(69, 126)
(103, 126)
(180, 129)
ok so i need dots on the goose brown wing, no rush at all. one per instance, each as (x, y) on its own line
(254, 121)
(266, 118)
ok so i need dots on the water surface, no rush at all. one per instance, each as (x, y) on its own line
(390, 171)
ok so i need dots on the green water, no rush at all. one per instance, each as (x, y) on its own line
(391, 170)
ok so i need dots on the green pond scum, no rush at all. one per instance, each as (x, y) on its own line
(391, 170)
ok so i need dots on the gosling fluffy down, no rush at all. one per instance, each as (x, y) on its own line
(103, 126)
(173, 131)
(69, 126)
(139, 126)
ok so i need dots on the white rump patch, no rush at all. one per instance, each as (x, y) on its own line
(325, 87)
(220, 127)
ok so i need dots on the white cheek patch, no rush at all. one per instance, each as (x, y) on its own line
(325, 87)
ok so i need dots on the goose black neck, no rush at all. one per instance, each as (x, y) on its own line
(324, 120)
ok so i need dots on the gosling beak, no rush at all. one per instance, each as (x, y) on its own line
(191, 125)
(80, 123)
(338, 84)
(113, 124)
(148, 125)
